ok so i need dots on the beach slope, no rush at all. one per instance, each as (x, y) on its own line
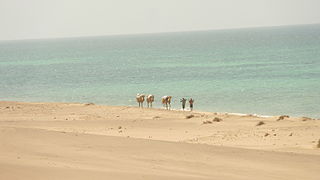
(87, 141)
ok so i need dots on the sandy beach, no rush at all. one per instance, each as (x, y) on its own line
(88, 141)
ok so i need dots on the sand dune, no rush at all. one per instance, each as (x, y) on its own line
(86, 141)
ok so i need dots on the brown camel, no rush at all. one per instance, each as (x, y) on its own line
(166, 101)
(140, 99)
(150, 99)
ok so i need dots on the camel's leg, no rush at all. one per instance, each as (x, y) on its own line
(151, 104)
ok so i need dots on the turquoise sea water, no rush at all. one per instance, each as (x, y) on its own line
(268, 71)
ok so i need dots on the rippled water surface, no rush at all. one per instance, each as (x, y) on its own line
(267, 71)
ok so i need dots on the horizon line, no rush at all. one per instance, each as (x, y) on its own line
(155, 33)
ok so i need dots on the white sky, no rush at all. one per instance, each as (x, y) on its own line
(25, 19)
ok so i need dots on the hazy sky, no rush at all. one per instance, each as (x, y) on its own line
(25, 19)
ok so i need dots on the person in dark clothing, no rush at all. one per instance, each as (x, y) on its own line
(191, 103)
(183, 101)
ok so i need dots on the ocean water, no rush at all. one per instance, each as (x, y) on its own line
(267, 71)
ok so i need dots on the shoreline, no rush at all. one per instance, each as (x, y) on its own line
(162, 108)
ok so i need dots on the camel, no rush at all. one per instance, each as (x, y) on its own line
(140, 99)
(150, 99)
(166, 101)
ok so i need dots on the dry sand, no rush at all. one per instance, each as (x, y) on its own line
(87, 141)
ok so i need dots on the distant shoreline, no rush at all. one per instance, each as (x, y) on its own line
(132, 106)
(163, 109)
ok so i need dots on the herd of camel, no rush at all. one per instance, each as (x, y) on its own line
(166, 101)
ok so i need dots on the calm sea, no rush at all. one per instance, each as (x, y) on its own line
(268, 71)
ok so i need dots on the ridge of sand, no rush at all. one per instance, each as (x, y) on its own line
(87, 141)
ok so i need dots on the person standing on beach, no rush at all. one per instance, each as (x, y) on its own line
(191, 103)
(183, 101)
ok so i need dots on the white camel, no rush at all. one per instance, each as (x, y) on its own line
(150, 99)
(140, 99)
(166, 101)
